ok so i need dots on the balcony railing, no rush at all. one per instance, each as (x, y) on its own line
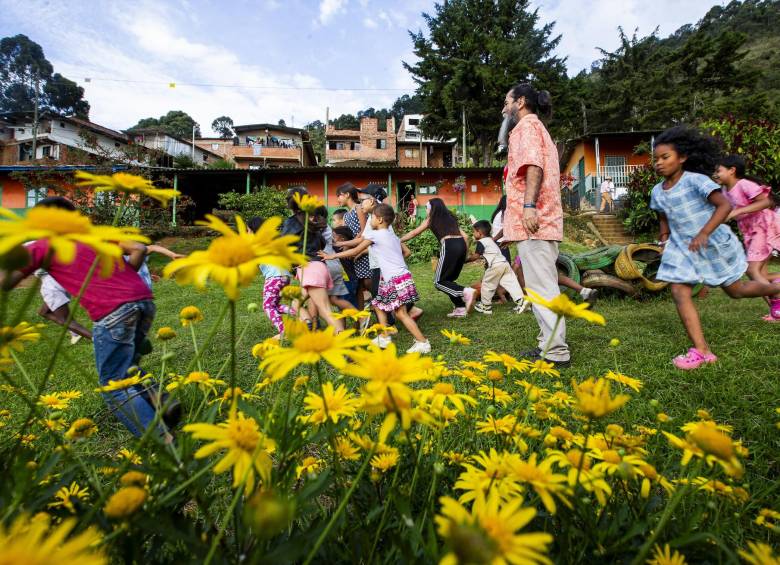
(619, 174)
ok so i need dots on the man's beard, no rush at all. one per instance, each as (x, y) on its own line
(503, 134)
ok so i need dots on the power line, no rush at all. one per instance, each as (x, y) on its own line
(175, 84)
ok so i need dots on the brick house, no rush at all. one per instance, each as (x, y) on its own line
(415, 150)
(263, 145)
(372, 143)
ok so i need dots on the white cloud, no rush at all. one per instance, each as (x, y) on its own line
(369, 23)
(329, 8)
(585, 26)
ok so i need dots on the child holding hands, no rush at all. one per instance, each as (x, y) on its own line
(698, 248)
(396, 287)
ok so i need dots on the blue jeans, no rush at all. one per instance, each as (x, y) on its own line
(352, 287)
(116, 338)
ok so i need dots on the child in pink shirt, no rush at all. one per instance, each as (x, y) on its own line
(757, 221)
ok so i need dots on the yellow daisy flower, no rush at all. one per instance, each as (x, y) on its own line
(353, 314)
(292, 292)
(665, 556)
(309, 466)
(385, 461)
(509, 362)
(200, 378)
(347, 450)
(307, 202)
(563, 306)
(32, 540)
(455, 338)
(248, 450)
(80, 429)
(333, 405)
(387, 376)
(594, 399)
(474, 365)
(121, 384)
(759, 553)
(190, 315)
(52, 401)
(70, 394)
(232, 260)
(498, 426)
(166, 333)
(13, 337)
(125, 453)
(544, 368)
(125, 502)
(126, 183)
(547, 484)
(442, 394)
(66, 496)
(490, 532)
(63, 229)
(308, 347)
(634, 384)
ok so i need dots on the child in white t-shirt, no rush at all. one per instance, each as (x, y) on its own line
(396, 287)
(498, 271)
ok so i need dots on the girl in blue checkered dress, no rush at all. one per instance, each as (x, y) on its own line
(698, 247)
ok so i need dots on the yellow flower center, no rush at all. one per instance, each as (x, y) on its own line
(244, 434)
(197, 377)
(313, 342)
(443, 388)
(611, 456)
(57, 220)
(230, 251)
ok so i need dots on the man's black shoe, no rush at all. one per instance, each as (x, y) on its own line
(535, 354)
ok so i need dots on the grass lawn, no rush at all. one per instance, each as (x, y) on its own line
(743, 388)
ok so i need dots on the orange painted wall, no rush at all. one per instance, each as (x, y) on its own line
(488, 184)
(622, 146)
(14, 195)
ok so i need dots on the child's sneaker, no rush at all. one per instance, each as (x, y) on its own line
(589, 295)
(469, 297)
(482, 309)
(693, 359)
(458, 312)
(382, 341)
(74, 338)
(521, 306)
(422, 347)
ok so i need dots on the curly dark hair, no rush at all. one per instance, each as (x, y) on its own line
(702, 151)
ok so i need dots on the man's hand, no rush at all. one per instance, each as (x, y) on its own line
(699, 242)
(530, 220)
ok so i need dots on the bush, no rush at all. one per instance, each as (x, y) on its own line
(758, 141)
(425, 246)
(636, 214)
(265, 201)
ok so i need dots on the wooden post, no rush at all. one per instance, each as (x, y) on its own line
(175, 187)
(389, 186)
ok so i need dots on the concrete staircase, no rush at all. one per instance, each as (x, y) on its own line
(611, 229)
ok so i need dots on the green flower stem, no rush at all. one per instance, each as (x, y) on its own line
(181, 486)
(232, 304)
(23, 371)
(212, 334)
(195, 345)
(28, 298)
(340, 508)
(671, 506)
(384, 513)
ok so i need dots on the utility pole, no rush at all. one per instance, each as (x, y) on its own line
(35, 119)
(463, 157)
(192, 150)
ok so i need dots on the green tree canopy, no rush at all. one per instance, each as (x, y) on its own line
(223, 126)
(176, 122)
(474, 51)
(23, 67)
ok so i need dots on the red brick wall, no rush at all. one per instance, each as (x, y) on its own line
(369, 134)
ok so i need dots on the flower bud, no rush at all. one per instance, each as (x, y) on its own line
(268, 513)
(252, 307)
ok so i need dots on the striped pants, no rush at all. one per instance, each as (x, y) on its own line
(452, 257)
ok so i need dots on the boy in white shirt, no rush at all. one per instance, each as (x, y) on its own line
(498, 272)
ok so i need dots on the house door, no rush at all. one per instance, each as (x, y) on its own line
(406, 190)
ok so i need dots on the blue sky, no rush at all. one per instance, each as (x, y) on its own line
(218, 53)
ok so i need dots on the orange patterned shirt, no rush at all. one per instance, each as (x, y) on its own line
(531, 144)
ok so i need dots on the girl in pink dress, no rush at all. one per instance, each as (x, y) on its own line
(755, 216)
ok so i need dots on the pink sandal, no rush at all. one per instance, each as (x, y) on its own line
(774, 308)
(693, 359)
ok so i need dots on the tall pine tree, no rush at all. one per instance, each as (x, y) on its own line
(474, 51)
